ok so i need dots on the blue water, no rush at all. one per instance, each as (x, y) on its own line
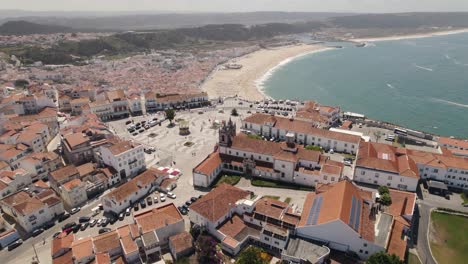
(418, 83)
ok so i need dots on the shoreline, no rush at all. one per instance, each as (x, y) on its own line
(411, 36)
(256, 68)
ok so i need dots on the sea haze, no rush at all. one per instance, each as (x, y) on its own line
(418, 83)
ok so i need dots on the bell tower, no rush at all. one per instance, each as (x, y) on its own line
(226, 133)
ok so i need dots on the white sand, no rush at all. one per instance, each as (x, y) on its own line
(255, 66)
(413, 36)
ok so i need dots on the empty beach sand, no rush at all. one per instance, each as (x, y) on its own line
(243, 82)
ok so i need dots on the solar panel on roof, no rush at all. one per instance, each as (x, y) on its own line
(358, 214)
(314, 211)
(353, 211)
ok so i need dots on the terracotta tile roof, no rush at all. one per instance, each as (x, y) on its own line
(397, 245)
(122, 147)
(181, 242)
(158, 218)
(116, 95)
(336, 204)
(86, 169)
(129, 246)
(23, 203)
(129, 188)
(67, 258)
(209, 165)
(233, 226)
(455, 143)
(277, 150)
(64, 173)
(62, 242)
(386, 158)
(271, 208)
(179, 97)
(82, 248)
(218, 202)
(106, 242)
(72, 184)
(75, 139)
(331, 169)
(103, 258)
(402, 203)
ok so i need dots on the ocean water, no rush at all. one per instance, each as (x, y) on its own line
(421, 83)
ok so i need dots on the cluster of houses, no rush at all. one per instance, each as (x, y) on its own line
(338, 216)
(150, 233)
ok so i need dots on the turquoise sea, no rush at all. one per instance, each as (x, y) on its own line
(420, 83)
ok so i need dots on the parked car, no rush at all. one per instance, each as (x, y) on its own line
(121, 216)
(171, 195)
(186, 207)
(49, 225)
(184, 211)
(155, 199)
(135, 207)
(142, 203)
(100, 206)
(188, 203)
(63, 217)
(93, 222)
(162, 197)
(69, 225)
(56, 234)
(15, 244)
(347, 163)
(104, 230)
(84, 219)
(193, 199)
(128, 122)
(141, 130)
(76, 228)
(75, 210)
(105, 222)
(128, 211)
(37, 232)
(149, 201)
(147, 151)
(84, 226)
(135, 134)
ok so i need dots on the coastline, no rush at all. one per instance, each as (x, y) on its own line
(256, 68)
(411, 36)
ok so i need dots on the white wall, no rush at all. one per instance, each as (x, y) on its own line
(391, 180)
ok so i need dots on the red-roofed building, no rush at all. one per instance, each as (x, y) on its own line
(125, 157)
(385, 165)
(348, 219)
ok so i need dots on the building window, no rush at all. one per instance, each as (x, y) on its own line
(376, 175)
(363, 173)
(389, 178)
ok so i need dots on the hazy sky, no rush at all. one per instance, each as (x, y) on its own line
(238, 5)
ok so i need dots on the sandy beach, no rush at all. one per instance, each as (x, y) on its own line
(413, 36)
(243, 82)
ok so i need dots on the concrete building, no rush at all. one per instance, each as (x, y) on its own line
(303, 132)
(385, 165)
(32, 211)
(181, 245)
(13, 181)
(77, 105)
(157, 102)
(132, 191)
(39, 165)
(157, 225)
(458, 147)
(125, 157)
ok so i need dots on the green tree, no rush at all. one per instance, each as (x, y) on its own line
(170, 114)
(234, 112)
(385, 199)
(383, 190)
(384, 258)
(251, 255)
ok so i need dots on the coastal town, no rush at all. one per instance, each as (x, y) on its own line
(177, 156)
(100, 174)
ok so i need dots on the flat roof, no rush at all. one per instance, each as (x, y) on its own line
(437, 185)
(382, 229)
(305, 250)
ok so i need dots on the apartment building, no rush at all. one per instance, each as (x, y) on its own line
(157, 225)
(39, 165)
(103, 109)
(13, 181)
(34, 135)
(119, 103)
(385, 165)
(126, 157)
(32, 211)
(319, 115)
(181, 245)
(458, 147)
(135, 104)
(156, 102)
(132, 191)
(303, 132)
(78, 105)
(64, 103)
(284, 161)
(12, 154)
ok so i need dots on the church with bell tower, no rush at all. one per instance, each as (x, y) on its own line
(226, 133)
